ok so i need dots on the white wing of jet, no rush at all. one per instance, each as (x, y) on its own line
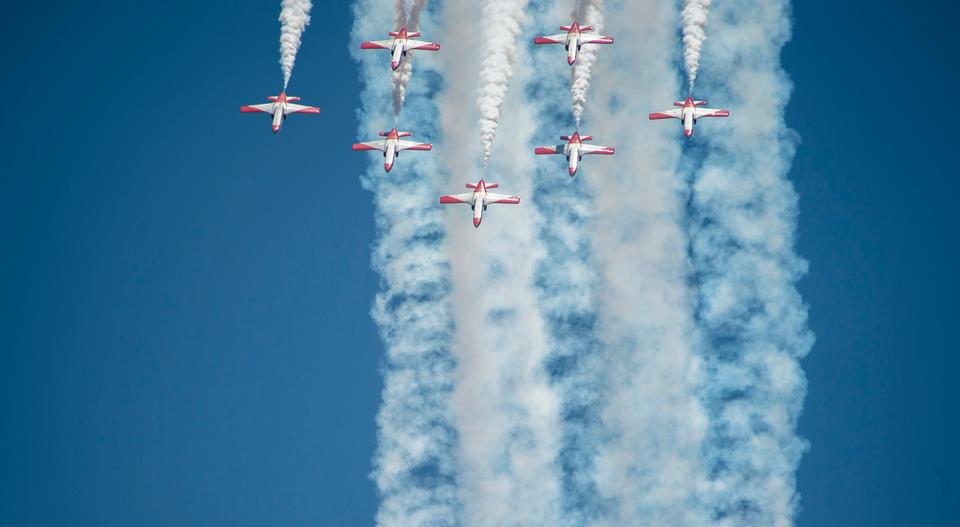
(673, 113)
(500, 198)
(593, 38)
(700, 111)
(594, 149)
(378, 44)
(466, 197)
(299, 108)
(412, 145)
(556, 149)
(420, 44)
(371, 145)
(265, 108)
(559, 38)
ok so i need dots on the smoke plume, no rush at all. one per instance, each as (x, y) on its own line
(500, 23)
(754, 323)
(588, 13)
(693, 19)
(401, 76)
(294, 18)
(416, 462)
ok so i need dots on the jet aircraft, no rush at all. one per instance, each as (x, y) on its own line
(689, 111)
(574, 150)
(400, 44)
(280, 106)
(392, 146)
(479, 198)
(573, 39)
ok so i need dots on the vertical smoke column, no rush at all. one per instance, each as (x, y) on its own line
(587, 13)
(505, 408)
(401, 77)
(500, 26)
(648, 466)
(294, 18)
(415, 464)
(565, 277)
(693, 19)
(753, 319)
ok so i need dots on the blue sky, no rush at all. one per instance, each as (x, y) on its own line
(187, 336)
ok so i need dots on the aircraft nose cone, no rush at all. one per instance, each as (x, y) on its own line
(476, 222)
(394, 65)
(276, 128)
(573, 171)
(688, 133)
(387, 166)
(570, 60)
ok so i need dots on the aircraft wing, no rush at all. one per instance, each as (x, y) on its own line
(425, 46)
(413, 145)
(595, 149)
(700, 111)
(673, 113)
(377, 44)
(371, 145)
(556, 149)
(466, 197)
(265, 108)
(299, 108)
(593, 38)
(559, 38)
(501, 198)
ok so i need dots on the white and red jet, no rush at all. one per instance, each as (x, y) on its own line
(574, 37)
(574, 149)
(280, 106)
(400, 44)
(688, 112)
(392, 146)
(479, 199)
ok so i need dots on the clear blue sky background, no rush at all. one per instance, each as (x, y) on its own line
(186, 338)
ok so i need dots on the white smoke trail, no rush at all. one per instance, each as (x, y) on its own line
(566, 282)
(588, 13)
(294, 18)
(754, 321)
(401, 76)
(415, 466)
(693, 19)
(648, 470)
(506, 412)
(501, 20)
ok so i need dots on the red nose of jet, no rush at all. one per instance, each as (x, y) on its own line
(688, 133)
(476, 222)
(394, 65)
(571, 60)
(276, 128)
(387, 166)
(572, 170)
